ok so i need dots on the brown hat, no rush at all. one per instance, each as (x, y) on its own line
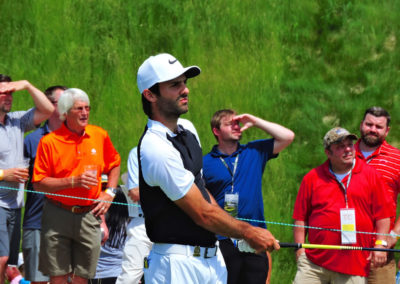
(337, 134)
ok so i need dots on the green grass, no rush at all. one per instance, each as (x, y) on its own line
(309, 65)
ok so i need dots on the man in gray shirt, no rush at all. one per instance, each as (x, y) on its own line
(13, 172)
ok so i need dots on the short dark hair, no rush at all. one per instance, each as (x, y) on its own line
(218, 116)
(49, 92)
(5, 78)
(155, 89)
(378, 111)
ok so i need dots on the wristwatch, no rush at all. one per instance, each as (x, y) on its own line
(112, 191)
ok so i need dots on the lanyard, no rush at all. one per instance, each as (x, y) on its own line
(347, 184)
(234, 168)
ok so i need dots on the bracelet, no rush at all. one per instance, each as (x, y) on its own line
(1, 175)
(381, 242)
(72, 182)
(110, 192)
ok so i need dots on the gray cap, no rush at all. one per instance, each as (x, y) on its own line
(337, 134)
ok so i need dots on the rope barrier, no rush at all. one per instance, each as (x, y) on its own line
(242, 219)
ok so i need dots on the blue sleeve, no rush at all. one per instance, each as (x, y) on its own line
(265, 147)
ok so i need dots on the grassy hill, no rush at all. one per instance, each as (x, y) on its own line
(309, 65)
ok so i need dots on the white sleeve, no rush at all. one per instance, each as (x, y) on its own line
(133, 169)
(162, 166)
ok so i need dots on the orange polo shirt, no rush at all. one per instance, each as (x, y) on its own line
(63, 153)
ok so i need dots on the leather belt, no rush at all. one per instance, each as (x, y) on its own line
(72, 208)
(196, 251)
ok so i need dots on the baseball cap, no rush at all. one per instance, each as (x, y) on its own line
(337, 134)
(161, 68)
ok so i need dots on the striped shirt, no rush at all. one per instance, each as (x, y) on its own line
(386, 160)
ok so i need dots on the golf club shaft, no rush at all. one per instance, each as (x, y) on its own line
(337, 247)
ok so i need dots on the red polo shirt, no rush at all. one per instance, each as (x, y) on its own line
(318, 203)
(386, 160)
(63, 153)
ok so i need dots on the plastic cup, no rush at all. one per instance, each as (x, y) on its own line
(23, 164)
(91, 169)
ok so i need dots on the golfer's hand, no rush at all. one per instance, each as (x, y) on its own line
(261, 240)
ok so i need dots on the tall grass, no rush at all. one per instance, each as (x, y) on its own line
(309, 65)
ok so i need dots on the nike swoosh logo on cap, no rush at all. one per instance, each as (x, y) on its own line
(172, 61)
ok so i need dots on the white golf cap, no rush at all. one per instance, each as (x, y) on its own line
(161, 68)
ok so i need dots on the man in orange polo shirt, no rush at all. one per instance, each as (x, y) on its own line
(68, 166)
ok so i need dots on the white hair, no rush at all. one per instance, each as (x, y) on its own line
(68, 98)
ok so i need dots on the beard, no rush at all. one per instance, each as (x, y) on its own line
(171, 108)
(5, 109)
(371, 140)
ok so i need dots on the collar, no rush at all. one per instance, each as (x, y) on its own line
(45, 127)
(378, 151)
(157, 126)
(356, 169)
(215, 152)
(67, 134)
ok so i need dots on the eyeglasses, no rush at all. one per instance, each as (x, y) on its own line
(81, 108)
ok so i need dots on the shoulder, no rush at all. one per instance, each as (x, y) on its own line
(155, 146)
(32, 139)
(390, 149)
(16, 114)
(209, 159)
(38, 133)
(261, 144)
(94, 129)
(188, 125)
(317, 173)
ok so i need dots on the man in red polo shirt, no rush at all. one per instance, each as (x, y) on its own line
(69, 163)
(374, 150)
(342, 194)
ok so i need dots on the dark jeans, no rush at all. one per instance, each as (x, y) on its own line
(244, 267)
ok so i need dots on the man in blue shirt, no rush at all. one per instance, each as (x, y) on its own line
(233, 175)
(13, 171)
(34, 201)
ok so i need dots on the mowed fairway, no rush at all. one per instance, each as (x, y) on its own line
(306, 64)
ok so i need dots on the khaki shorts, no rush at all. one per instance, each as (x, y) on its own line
(310, 273)
(385, 274)
(69, 242)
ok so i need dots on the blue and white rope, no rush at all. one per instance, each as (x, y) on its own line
(242, 219)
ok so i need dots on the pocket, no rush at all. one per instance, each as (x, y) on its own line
(302, 260)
